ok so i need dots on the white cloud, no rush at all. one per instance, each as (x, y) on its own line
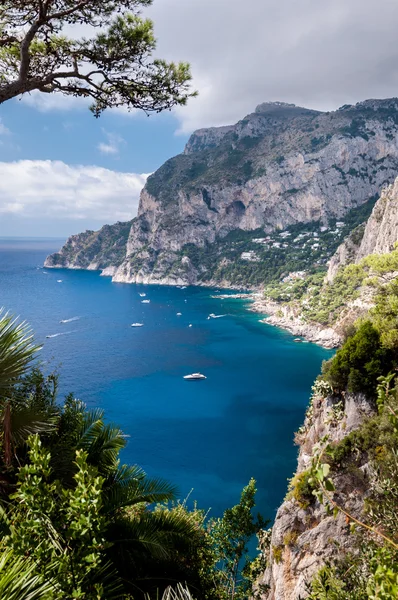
(54, 190)
(54, 102)
(113, 143)
(317, 54)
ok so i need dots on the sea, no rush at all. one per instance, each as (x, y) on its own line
(208, 437)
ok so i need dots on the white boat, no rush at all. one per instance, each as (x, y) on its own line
(145, 301)
(297, 340)
(190, 325)
(179, 314)
(142, 295)
(193, 376)
(59, 280)
(137, 324)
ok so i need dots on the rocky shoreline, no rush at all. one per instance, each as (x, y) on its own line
(286, 318)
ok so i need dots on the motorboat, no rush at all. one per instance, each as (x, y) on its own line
(179, 314)
(137, 324)
(142, 295)
(297, 340)
(145, 301)
(193, 376)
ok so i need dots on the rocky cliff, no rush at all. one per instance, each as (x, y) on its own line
(378, 236)
(304, 536)
(93, 250)
(278, 167)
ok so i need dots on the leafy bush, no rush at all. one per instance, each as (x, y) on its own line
(300, 488)
(358, 364)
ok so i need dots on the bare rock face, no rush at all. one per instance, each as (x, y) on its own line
(279, 166)
(377, 237)
(305, 537)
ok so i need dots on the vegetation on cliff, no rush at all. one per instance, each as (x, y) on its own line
(325, 302)
(302, 247)
(366, 364)
(103, 248)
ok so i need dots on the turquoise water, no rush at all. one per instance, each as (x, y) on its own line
(210, 435)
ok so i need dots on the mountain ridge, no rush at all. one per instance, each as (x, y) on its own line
(278, 167)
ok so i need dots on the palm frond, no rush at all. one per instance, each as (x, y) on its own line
(179, 592)
(20, 579)
(155, 534)
(101, 441)
(17, 350)
(134, 487)
(26, 421)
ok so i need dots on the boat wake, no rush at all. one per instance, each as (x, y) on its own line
(54, 335)
(70, 320)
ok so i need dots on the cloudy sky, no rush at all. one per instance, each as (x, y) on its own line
(62, 171)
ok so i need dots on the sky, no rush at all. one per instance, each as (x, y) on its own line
(63, 171)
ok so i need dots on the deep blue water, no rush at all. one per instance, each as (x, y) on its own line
(210, 435)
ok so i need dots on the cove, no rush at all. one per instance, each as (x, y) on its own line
(206, 436)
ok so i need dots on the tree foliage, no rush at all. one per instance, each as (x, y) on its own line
(231, 535)
(361, 360)
(40, 49)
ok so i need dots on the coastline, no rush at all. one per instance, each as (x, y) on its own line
(277, 315)
(285, 317)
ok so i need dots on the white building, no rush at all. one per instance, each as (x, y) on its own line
(250, 256)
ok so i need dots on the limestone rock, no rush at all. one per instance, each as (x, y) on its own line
(306, 538)
(377, 237)
(279, 166)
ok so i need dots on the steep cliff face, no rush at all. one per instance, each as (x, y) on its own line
(377, 237)
(304, 536)
(93, 250)
(279, 166)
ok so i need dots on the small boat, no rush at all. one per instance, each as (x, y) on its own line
(179, 314)
(297, 340)
(59, 280)
(145, 301)
(137, 324)
(183, 287)
(195, 376)
(190, 325)
(142, 295)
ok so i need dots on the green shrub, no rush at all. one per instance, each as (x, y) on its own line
(352, 446)
(361, 360)
(300, 488)
(290, 538)
(277, 552)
